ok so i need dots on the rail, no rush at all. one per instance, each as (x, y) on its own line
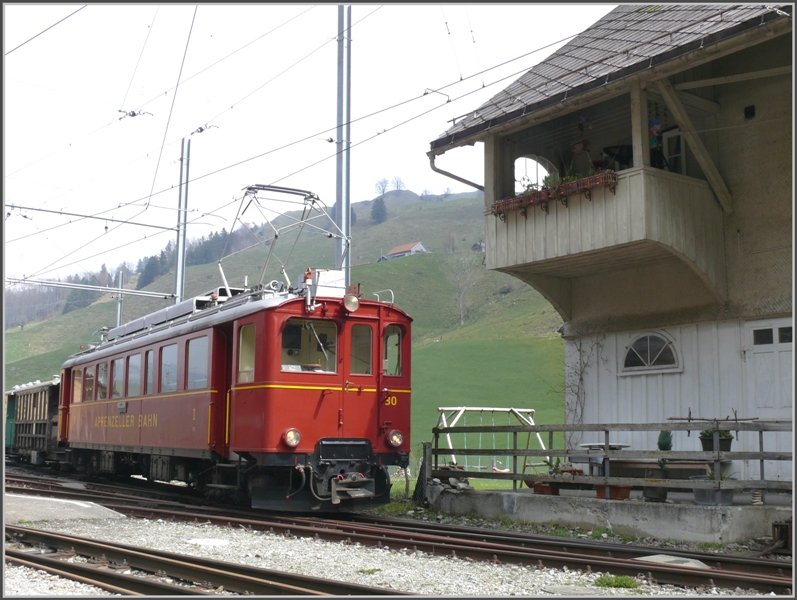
(607, 462)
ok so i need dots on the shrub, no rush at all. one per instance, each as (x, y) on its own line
(617, 581)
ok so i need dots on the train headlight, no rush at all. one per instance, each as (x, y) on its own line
(351, 302)
(394, 438)
(291, 437)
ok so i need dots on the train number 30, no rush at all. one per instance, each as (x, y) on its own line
(391, 401)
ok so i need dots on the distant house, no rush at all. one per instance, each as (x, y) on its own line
(404, 250)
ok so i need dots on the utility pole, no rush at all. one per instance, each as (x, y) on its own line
(182, 212)
(342, 200)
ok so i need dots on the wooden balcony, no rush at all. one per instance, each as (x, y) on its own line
(648, 218)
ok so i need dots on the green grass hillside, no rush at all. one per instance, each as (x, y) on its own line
(481, 338)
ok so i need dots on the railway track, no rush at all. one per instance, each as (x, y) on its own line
(107, 565)
(693, 569)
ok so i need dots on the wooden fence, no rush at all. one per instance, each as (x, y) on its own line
(605, 462)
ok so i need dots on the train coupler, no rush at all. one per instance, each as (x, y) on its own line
(351, 488)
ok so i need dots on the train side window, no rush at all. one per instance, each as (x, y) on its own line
(102, 381)
(392, 350)
(361, 350)
(88, 384)
(117, 378)
(168, 368)
(197, 363)
(149, 381)
(134, 375)
(77, 385)
(309, 345)
(246, 354)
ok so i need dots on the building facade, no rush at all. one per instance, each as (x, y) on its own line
(662, 232)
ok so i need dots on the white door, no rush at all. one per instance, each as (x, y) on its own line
(768, 363)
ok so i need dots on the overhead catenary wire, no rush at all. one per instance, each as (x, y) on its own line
(254, 157)
(171, 108)
(46, 30)
(385, 109)
(140, 55)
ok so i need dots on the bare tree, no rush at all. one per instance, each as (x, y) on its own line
(398, 183)
(381, 187)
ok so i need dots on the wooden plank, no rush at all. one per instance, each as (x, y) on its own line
(702, 155)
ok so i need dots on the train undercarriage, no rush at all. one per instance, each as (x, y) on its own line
(341, 475)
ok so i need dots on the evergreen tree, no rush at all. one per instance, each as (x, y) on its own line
(149, 273)
(379, 211)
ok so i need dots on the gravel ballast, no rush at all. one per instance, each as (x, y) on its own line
(397, 570)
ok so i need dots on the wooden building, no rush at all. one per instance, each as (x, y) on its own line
(662, 232)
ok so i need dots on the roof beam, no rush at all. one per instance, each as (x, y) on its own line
(702, 155)
(776, 72)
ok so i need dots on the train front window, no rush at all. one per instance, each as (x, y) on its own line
(309, 345)
(361, 350)
(392, 350)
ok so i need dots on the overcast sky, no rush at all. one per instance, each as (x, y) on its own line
(257, 98)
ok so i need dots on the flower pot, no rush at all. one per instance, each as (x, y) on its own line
(616, 492)
(654, 494)
(708, 444)
(710, 497)
(544, 488)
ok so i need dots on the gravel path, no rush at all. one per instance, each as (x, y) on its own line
(399, 570)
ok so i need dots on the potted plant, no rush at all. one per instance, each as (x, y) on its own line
(548, 488)
(614, 492)
(707, 440)
(712, 496)
(659, 494)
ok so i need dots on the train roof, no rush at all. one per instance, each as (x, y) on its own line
(218, 305)
(32, 386)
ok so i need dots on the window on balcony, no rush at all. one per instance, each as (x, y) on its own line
(531, 171)
(674, 150)
(650, 353)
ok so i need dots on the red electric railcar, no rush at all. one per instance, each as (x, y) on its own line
(282, 397)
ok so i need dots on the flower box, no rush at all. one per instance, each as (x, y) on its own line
(542, 196)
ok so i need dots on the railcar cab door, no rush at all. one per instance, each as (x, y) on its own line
(376, 388)
(394, 384)
(359, 410)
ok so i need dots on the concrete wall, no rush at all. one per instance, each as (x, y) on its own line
(666, 521)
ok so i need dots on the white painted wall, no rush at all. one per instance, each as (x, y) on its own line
(720, 370)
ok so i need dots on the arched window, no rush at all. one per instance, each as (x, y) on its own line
(650, 352)
(530, 171)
